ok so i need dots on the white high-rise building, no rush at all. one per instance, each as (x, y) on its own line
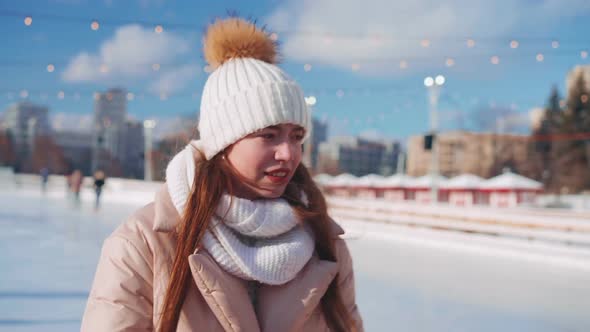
(108, 149)
(24, 121)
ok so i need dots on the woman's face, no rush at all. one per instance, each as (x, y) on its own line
(266, 160)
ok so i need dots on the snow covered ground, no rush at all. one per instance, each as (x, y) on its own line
(408, 278)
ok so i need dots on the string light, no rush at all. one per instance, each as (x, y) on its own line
(50, 68)
(403, 64)
(555, 44)
(28, 20)
(155, 66)
(175, 25)
(94, 25)
(425, 43)
(307, 67)
(158, 29)
(495, 60)
(540, 57)
(470, 43)
(24, 93)
(311, 100)
(450, 62)
(130, 96)
(584, 54)
(274, 36)
(514, 44)
(61, 95)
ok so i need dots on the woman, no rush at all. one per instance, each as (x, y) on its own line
(239, 238)
(99, 181)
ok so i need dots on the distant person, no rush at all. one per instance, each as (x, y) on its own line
(99, 181)
(239, 237)
(44, 173)
(69, 183)
(15, 172)
(76, 179)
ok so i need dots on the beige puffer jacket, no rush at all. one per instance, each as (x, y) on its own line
(134, 268)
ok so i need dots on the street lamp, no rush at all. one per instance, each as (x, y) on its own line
(148, 126)
(434, 86)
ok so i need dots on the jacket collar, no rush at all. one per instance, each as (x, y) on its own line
(280, 308)
(166, 216)
(287, 307)
(225, 294)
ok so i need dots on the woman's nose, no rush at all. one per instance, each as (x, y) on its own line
(284, 151)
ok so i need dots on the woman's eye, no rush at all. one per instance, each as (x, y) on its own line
(298, 138)
(267, 136)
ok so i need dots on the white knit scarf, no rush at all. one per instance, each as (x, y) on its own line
(258, 240)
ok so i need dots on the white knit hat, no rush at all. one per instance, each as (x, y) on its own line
(247, 91)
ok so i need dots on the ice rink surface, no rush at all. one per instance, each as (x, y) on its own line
(407, 279)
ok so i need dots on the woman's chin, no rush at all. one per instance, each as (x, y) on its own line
(260, 193)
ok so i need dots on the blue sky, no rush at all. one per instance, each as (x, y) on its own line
(354, 52)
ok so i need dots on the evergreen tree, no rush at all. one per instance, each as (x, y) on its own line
(542, 143)
(570, 153)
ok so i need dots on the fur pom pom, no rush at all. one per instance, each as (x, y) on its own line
(237, 38)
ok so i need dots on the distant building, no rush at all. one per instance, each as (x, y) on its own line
(23, 122)
(358, 156)
(77, 149)
(318, 134)
(117, 143)
(133, 147)
(481, 154)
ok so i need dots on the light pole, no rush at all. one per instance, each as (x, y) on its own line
(148, 126)
(434, 86)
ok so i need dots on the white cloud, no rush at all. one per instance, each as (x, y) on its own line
(377, 34)
(71, 122)
(129, 54)
(371, 134)
(171, 125)
(175, 79)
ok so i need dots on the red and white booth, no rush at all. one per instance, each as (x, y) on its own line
(509, 190)
(393, 188)
(322, 179)
(341, 185)
(368, 186)
(420, 189)
(463, 189)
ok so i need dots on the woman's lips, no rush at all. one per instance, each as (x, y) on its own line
(278, 176)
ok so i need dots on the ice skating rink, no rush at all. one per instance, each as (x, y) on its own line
(408, 279)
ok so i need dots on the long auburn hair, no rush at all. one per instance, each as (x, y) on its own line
(212, 179)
